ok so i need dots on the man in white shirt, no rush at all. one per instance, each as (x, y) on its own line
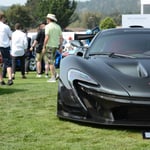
(19, 44)
(5, 36)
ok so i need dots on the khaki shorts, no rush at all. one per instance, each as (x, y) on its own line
(50, 55)
(39, 56)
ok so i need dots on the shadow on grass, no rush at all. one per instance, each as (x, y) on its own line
(135, 129)
(9, 91)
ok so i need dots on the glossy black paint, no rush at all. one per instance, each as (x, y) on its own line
(107, 87)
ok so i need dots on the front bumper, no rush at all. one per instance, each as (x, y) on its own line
(92, 106)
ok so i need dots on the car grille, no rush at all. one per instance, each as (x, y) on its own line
(109, 107)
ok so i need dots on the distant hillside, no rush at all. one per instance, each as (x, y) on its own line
(3, 8)
(108, 7)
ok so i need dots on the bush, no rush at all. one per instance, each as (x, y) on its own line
(107, 23)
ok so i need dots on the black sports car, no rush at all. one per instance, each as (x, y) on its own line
(110, 83)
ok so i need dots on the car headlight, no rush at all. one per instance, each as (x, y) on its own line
(80, 76)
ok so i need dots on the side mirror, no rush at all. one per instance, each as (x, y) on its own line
(80, 48)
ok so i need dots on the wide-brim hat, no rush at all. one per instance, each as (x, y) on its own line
(52, 16)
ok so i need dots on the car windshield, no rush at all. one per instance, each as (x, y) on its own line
(135, 44)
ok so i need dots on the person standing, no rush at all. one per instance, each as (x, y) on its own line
(1, 66)
(52, 42)
(38, 45)
(19, 45)
(5, 37)
(4, 68)
(28, 53)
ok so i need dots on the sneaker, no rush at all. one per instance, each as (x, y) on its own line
(13, 77)
(38, 75)
(52, 79)
(24, 77)
(46, 76)
(10, 82)
(56, 76)
(2, 83)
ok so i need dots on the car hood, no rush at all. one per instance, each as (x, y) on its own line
(122, 75)
(115, 76)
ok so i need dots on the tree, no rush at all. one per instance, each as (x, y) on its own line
(107, 23)
(18, 13)
(93, 20)
(34, 11)
(117, 18)
(63, 9)
(87, 20)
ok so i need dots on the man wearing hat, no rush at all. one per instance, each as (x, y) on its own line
(53, 40)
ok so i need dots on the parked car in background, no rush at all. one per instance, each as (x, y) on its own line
(32, 63)
(80, 40)
(110, 83)
(73, 50)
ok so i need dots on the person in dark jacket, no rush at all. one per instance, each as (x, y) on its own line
(38, 45)
(28, 53)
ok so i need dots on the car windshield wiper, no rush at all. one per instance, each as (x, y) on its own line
(99, 53)
(120, 55)
(113, 55)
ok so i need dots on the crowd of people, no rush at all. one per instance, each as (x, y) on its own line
(17, 45)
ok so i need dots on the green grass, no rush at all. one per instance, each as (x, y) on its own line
(28, 121)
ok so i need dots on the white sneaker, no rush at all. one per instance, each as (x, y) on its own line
(56, 76)
(38, 75)
(46, 76)
(52, 79)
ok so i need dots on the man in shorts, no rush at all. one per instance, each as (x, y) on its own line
(5, 37)
(52, 42)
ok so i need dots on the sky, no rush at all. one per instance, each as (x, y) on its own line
(11, 2)
(21, 2)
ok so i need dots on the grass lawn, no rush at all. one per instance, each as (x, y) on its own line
(28, 121)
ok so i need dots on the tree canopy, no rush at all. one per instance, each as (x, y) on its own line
(18, 14)
(71, 13)
(63, 10)
(36, 11)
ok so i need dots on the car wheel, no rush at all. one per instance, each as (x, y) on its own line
(32, 64)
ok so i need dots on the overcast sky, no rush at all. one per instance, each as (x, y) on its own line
(11, 2)
(21, 2)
